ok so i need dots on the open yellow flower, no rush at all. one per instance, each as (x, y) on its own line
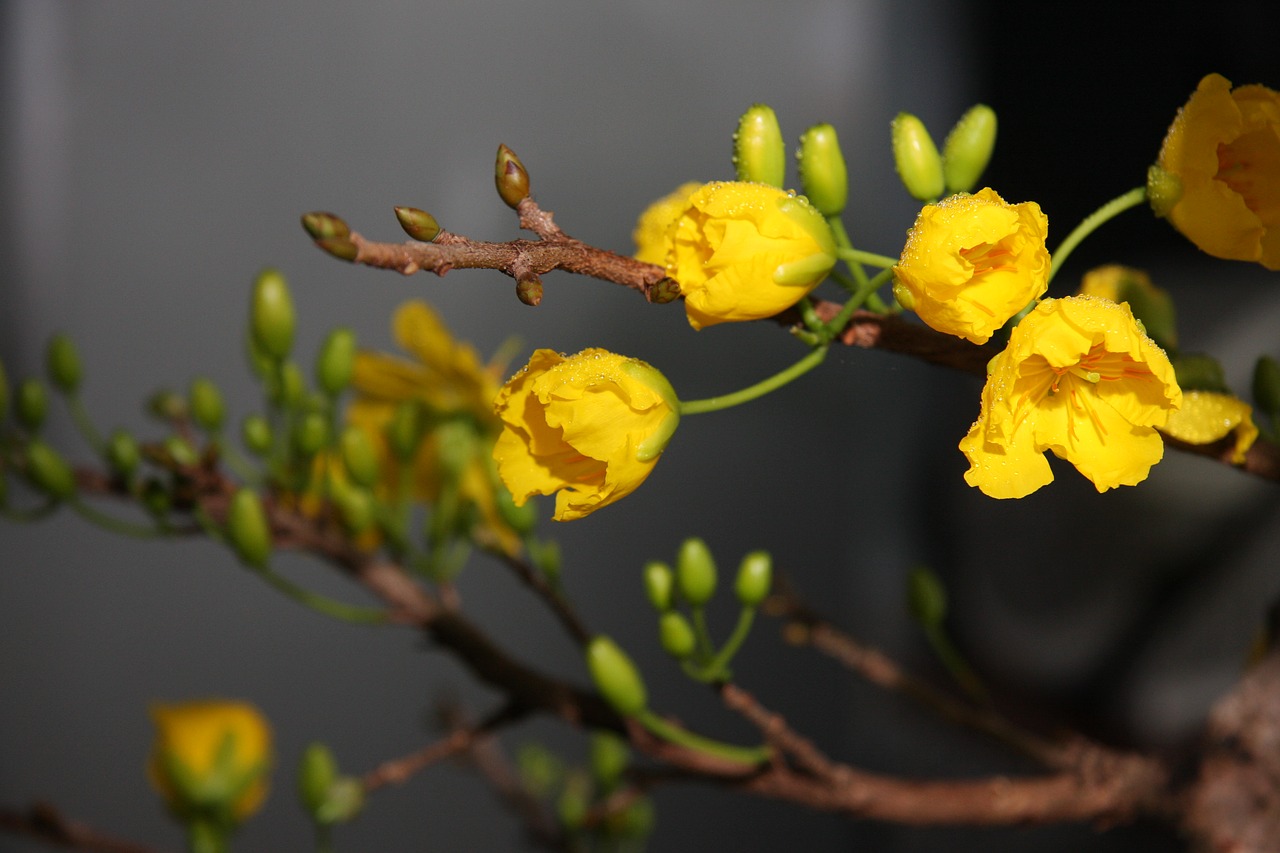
(1224, 149)
(1078, 378)
(973, 261)
(744, 251)
(1208, 416)
(446, 376)
(588, 428)
(211, 759)
(651, 230)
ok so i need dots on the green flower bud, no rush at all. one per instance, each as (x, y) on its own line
(659, 583)
(510, 177)
(540, 769)
(1199, 372)
(615, 676)
(180, 451)
(359, 458)
(676, 635)
(822, 170)
(926, 597)
(31, 404)
(271, 319)
(167, 406)
(759, 152)
(968, 148)
(418, 224)
(286, 386)
(695, 572)
(344, 803)
(205, 401)
(49, 472)
(247, 528)
(355, 507)
(916, 158)
(575, 802)
(4, 393)
(311, 434)
(1164, 191)
(336, 361)
(316, 774)
(123, 454)
(255, 432)
(755, 578)
(62, 363)
(1266, 386)
(325, 226)
(404, 430)
(610, 756)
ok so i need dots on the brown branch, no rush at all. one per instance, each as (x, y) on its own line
(45, 822)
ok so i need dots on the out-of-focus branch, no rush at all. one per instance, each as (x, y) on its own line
(46, 823)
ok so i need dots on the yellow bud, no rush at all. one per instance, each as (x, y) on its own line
(529, 291)
(968, 148)
(822, 170)
(759, 152)
(359, 457)
(659, 582)
(916, 158)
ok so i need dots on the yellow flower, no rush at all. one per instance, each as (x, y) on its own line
(1207, 416)
(651, 230)
(588, 427)
(210, 759)
(973, 261)
(1224, 149)
(1150, 304)
(1078, 378)
(743, 251)
(446, 377)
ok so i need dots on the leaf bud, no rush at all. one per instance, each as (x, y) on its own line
(359, 458)
(529, 291)
(968, 147)
(123, 454)
(255, 432)
(916, 158)
(418, 224)
(311, 434)
(755, 578)
(695, 572)
(205, 400)
(341, 248)
(405, 429)
(325, 226)
(926, 597)
(665, 291)
(759, 152)
(247, 528)
(49, 472)
(62, 363)
(822, 170)
(31, 404)
(659, 584)
(510, 177)
(676, 635)
(271, 317)
(615, 676)
(610, 756)
(1266, 386)
(336, 361)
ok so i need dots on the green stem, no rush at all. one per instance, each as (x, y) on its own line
(749, 755)
(84, 423)
(717, 668)
(319, 603)
(1092, 222)
(746, 395)
(956, 665)
(701, 633)
(868, 258)
(115, 525)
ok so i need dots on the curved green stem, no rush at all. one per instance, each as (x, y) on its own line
(746, 395)
(1092, 222)
(84, 424)
(115, 525)
(717, 668)
(956, 665)
(319, 603)
(868, 258)
(748, 755)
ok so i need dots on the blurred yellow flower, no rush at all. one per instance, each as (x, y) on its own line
(651, 230)
(1207, 416)
(588, 428)
(973, 261)
(744, 251)
(444, 375)
(1224, 149)
(1078, 378)
(1150, 304)
(211, 759)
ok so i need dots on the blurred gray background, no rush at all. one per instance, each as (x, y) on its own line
(157, 156)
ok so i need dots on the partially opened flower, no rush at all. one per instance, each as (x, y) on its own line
(973, 261)
(651, 230)
(1080, 379)
(588, 428)
(1208, 416)
(1224, 150)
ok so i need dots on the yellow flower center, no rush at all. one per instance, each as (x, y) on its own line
(1247, 166)
(1097, 365)
(988, 258)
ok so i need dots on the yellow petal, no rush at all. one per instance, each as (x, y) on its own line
(1206, 417)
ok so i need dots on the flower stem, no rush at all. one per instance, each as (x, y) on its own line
(1092, 222)
(717, 668)
(749, 755)
(746, 395)
(869, 258)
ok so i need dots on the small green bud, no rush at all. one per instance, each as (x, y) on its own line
(49, 472)
(255, 432)
(575, 802)
(759, 152)
(62, 363)
(123, 454)
(336, 361)
(31, 404)
(205, 400)
(755, 578)
(247, 528)
(822, 170)
(311, 434)
(615, 676)
(968, 148)
(325, 226)
(167, 406)
(695, 572)
(916, 158)
(359, 457)
(355, 506)
(676, 635)
(271, 318)
(1199, 372)
(926, 597)
(404, 430)
(510, 177)
(316, 774)
(540, 769)
(610, 756)
(1266, 386)
(180, 451)
(1164, 191)
(659, 583)
(418, 224)
(529, 291)
(345, 801)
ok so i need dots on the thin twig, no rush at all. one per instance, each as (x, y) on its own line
(45, 822)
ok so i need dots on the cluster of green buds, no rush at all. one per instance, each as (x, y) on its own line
(928, 175)
(760, 155)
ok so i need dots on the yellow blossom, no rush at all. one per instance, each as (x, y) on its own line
(973, 261)
(651, 230)
(1224, 149)
(744, 251)
(211, 758)
(1207, 416)
(444, 375)
(1150, 304)
(1078, 378)
(588, 428)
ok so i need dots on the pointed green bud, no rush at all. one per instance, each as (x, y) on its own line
(1199, 372)
(31, 404)
(916, 158)
(405, 429)
(418, 224)
(62, 363)
(271, 319)
(311, 434)
(676, 635)
(316, 774)
(180, 451)
(205, 400)
(336, 361)
(616, 677)
(968, 148)
(610, 756)
(759, 152)
(325, 226)
(359, 457)
(510, 177)
(168, 406)
(1266, 387)
(255, 432)
(123, 454)
(49, 472)
(659, 584)
(926, 597)
(529, 291)
(247, 528)
(755, 578)
(341, 248)
(822, 170)
(695, 572)
(1164, 191)
(355, 506)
